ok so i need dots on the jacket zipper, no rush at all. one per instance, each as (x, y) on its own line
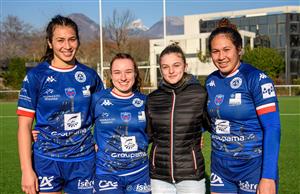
(153, 157)
(194, 158)
(172, 137)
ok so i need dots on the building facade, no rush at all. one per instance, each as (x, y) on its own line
(279, 27)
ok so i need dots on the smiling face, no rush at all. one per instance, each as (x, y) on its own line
(122, 76)
(64, 45)
(224, 54)
(172, 67)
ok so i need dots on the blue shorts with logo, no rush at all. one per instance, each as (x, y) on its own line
(229, 175)
(131, 183)
(70, 177)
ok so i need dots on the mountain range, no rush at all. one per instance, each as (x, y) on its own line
(88, 29)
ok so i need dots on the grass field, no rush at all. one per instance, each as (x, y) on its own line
(10, 175)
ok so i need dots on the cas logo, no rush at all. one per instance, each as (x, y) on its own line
(46, 182)
(80, 76)
(107, 185)
(137, 102)
(236, 83)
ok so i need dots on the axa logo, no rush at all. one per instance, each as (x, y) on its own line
(46, 182)
(215, 180)
(106, 102)
(50, 79)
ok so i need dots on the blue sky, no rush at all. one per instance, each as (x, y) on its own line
(39, 12)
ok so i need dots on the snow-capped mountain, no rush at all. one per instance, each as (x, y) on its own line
(138, 24)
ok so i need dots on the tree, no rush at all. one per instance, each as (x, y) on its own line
(15, 37)
(15, 73)
(117, 28)
(268, 60)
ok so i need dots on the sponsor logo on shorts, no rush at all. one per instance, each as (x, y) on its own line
(46, 182)
(85, 184)
(107, 185)
(143, 188)
(215, 180)
(246, 186)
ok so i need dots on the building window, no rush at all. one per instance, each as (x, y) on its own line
(295, 40)
(295, 17)
(272, 29)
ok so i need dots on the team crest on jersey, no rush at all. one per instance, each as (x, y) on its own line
(236, 82)
(80, 76)
(219, 99)
(267, 90)
(126, 116)
(137, 102)
(70, 92)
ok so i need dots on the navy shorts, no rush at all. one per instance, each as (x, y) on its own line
(70, 177)
(235, 175)
(137, 183)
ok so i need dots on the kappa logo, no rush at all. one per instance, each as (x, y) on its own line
(215, 180)
(106, 102)
(262, 76)
(211, 83)
(50, 79)
(46, 182)
(26, 79)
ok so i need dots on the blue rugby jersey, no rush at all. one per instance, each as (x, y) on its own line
(60, 100)
(120, 134)
(236, 104)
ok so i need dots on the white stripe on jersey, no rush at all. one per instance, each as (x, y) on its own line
(26, 109)
(265, 106)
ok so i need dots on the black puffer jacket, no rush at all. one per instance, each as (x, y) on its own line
(176, 114)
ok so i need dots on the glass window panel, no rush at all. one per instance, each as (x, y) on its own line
(253, 28)
(272, 29)
(295, 54)
(272, 19)
(273, 41)
(281, 18)
(281, 28)
(253, 20)
(263, 29)
(294, 28)
(282, 41)
(262, 20)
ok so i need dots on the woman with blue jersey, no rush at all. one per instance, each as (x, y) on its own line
(57, 94)
(120, 122)
(244, 113)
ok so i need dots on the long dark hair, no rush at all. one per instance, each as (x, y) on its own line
(138, 81)
(230, 30)
(57, 20)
